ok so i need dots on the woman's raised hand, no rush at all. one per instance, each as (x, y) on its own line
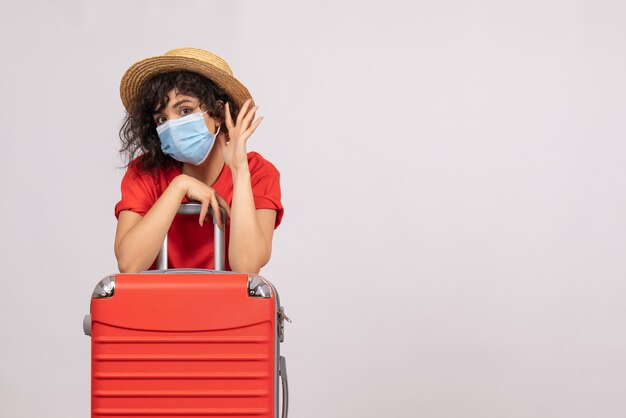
(233, 145)
(194, 189)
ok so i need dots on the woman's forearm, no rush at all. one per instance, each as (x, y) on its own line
(142, 243)
(248, 249)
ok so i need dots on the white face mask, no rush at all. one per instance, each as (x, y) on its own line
(187, 139)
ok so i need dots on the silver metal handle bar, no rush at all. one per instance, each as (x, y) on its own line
(282, 370)
(194, 208)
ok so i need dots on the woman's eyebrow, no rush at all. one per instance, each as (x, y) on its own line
(175, 105)
(181, 102)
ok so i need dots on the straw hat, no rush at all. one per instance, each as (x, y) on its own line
(186, 59)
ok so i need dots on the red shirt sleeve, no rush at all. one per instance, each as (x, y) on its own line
(138, 191)
(265, 182)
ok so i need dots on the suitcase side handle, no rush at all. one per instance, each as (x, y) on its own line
(194, 208)
(282, 371)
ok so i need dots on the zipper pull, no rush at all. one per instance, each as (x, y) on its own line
(282, 315)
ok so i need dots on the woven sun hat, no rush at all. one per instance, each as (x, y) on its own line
(183, 59)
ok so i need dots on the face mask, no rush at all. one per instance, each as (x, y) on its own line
(187, 139)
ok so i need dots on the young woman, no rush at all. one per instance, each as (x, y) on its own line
(190, 119)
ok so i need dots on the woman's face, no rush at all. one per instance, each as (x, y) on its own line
(179, 105)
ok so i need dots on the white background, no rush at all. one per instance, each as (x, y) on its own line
(454, 184)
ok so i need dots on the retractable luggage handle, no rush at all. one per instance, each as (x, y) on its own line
(194, 208)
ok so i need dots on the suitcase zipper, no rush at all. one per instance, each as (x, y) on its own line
(282, 315)
(281, 323)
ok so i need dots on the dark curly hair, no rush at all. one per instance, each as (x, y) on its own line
(138, 132)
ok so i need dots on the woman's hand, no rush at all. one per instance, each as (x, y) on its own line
(233, 145)
(194, 189)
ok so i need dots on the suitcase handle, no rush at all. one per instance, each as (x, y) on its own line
(282, 370)
(194, 208)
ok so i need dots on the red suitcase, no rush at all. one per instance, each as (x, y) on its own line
(186, 342)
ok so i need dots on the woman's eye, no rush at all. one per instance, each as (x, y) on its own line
(160, 120)
(185, 110)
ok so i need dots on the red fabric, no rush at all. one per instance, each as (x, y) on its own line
(189, 245)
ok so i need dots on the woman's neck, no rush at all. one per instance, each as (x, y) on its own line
(209, 170)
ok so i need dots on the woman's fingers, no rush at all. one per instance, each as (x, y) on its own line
(243, 111)
(228, 118)
(249, 117)
(245, 118)
(251, 130)
(216, 211)
(206, 195)
(204, 210)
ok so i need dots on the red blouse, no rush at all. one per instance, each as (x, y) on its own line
(189, 244)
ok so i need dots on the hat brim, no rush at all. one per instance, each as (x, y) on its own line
(142, 70)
